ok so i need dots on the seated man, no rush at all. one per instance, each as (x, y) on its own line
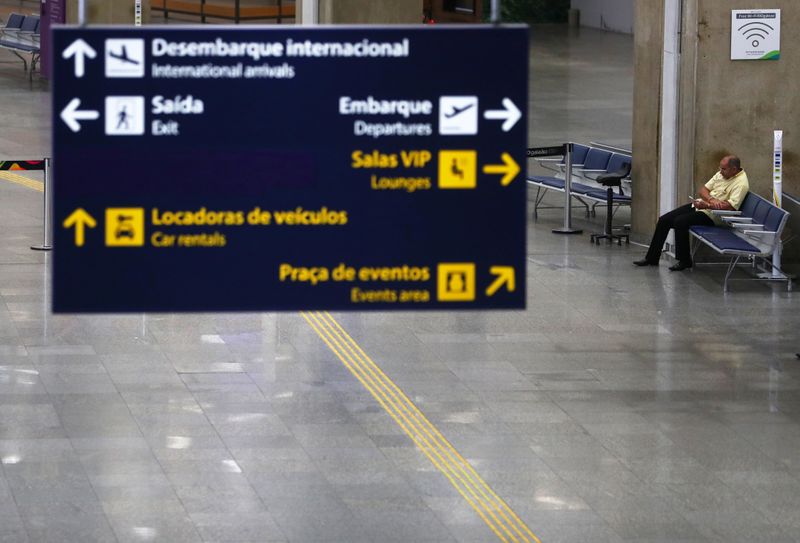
(725, 191)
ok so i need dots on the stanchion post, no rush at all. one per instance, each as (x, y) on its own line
(495, 16)
(47, 236)
(567, 228)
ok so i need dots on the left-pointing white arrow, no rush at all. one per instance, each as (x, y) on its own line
(511, 114)
(79, 49)
(71, 115)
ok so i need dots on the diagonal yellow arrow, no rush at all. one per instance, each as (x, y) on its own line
(509, 167)
(79, 219)
(505, 276)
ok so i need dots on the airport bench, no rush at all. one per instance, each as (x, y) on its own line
(20, 36)
(233, 10)
(587, 164)
(753, 232)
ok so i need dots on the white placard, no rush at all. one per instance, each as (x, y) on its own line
(755, 34)
(777, 168)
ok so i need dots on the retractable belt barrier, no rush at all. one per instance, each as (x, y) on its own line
(559, 150)
(26, 165)
(37, 165)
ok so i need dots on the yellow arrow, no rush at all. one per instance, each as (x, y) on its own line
(505, 275)
(508, 167)
(79, 219)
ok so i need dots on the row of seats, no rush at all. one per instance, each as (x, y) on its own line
(21, 36)
(588, 163)
(754, 231)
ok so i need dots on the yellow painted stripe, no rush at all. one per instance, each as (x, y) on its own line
(24, 181)
(497, 515)
(410, 427)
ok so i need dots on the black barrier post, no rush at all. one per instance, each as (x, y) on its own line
(567, 228)
(47, 243)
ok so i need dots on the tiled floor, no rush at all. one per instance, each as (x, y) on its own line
(624, 405)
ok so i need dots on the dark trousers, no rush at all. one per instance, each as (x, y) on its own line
(680, 219)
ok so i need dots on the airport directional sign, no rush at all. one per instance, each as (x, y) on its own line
(263, 168)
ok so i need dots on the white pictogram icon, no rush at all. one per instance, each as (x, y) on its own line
(125, 58)
(458, 115)
(124, 115)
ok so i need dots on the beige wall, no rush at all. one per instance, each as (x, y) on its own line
(738, 103)
(103, 12)
(371, 12)
(725, 106)
(648, 39)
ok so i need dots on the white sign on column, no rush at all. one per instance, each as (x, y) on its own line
(755, 34)
(777, 193)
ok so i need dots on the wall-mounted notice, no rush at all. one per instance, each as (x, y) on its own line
(755, 34)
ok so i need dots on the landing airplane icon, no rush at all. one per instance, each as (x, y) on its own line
(123, 56)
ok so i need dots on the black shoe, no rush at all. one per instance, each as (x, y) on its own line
(644, 262)
(680, 266)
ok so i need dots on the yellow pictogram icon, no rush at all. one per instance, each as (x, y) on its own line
(458, 169)
(509, 168)
(506, 276)
(80, 219)
(456, 282)
(124, 227)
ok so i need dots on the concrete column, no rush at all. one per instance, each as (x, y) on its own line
(648, 43)
(307, 12)
(371, 12)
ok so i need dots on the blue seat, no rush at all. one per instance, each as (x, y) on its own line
(754, 231)
(596, 161)
(23, 39)
(588, 162)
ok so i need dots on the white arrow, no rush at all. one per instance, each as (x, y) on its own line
(79, 49)
(71, 115)
(511, 114)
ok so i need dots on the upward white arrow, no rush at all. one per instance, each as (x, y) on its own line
(511, 114)
(71, 115)
(80, 50)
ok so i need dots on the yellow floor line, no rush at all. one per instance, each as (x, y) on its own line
(497, 515)
(24, 181)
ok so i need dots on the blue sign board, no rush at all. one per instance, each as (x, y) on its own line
(259, 168)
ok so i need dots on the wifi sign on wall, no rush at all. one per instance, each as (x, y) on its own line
(755, 34)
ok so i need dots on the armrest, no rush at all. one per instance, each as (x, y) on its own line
(764, 236)
(737, 220)
(725, 212)
(752, 226)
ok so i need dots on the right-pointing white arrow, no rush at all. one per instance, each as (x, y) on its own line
(71, 115)
(511, 114)
(79, 49)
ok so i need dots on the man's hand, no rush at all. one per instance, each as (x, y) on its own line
(700, 204)
(720, 204)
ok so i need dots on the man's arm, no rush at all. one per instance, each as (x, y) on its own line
(713, 203)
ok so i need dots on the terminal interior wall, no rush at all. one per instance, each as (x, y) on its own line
(107, 11)
(374, 11)
(739, 103)
(613, 15)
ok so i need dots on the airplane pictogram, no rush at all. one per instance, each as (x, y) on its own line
(123, 56)
(457, 110)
